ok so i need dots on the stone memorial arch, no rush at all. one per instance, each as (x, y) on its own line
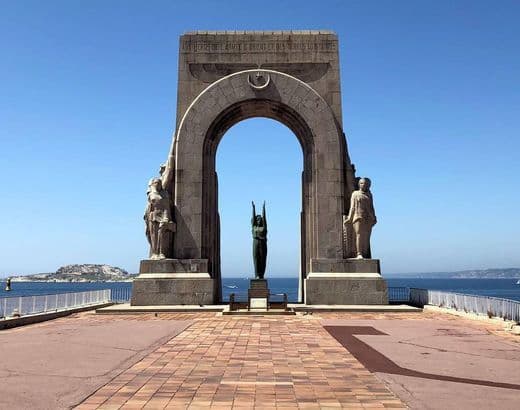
(227, 77)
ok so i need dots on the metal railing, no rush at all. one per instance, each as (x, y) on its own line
(121, 295)
(398, 294)
(481, 305)
(30, 305)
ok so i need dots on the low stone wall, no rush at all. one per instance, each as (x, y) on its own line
(42, 317)
(509, 325)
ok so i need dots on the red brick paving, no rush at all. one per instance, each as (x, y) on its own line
(243, 362)
(246, 362)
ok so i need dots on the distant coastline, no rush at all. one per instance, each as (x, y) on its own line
(105, 273)
(493, 273)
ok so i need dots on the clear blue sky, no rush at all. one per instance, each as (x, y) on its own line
(431, 108)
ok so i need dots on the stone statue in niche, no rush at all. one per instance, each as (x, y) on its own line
(362, 217)
(351, 184)
(259, 231)
(158, 216)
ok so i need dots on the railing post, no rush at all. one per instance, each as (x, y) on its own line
(56, 302)
(20, 305)
(34, 304)
(45, 306)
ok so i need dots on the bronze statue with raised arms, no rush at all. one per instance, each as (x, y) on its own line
(259, 231)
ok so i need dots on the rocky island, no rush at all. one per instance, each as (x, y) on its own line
(80, 273)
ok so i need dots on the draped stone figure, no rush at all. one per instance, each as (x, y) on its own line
(351, 184)
(158, 216)
(362, 217)
(259, 231)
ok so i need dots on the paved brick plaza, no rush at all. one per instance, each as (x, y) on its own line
(205, 360)
(266, 362)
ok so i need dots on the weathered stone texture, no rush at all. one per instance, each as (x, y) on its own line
(311, 56)
(346, 265)
(154, 291)
(174, 265)
(346, 291)
(289, 76)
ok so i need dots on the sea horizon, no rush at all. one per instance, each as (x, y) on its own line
(506, 288)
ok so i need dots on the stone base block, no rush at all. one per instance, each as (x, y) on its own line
(339, 290)
(173, 265)
(173, 291)
(345, 265)
(258, 284)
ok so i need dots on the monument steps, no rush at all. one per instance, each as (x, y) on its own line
(293, 309)
(260, 312)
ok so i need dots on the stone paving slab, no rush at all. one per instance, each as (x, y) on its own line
(126, 308)
(56, 364)
(440, 361)
(355, 308)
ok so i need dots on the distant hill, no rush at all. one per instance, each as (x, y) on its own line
(495, 273)
(80, 273)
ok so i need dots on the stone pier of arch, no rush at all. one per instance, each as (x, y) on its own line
(292, 77)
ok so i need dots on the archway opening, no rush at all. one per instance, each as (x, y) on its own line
(260, 159)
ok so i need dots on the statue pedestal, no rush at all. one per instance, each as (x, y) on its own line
(173, 282)
(258, 294)
(359, 282)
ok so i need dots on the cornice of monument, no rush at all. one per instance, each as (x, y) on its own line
(258, 32)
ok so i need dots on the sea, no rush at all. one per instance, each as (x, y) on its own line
(500, 288)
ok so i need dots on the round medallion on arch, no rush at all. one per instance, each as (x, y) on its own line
(259, 80)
